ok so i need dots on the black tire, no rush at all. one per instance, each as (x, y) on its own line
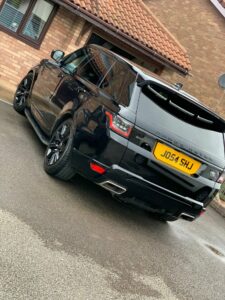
(58, 155)
(22, 94)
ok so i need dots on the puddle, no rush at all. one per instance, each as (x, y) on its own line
(215, 251)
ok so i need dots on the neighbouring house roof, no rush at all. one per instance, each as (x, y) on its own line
(133, 20)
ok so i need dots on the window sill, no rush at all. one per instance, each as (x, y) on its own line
(21, 38)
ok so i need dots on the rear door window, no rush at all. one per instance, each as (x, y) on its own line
(120, 79)
(94, 67)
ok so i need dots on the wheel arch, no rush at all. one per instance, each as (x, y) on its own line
(34, 73)
(62, 118)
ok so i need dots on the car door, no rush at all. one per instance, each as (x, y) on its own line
(65, 95)
(55, 87)
(92, 77)
(93, 137)
(49, 77)
(81, 73)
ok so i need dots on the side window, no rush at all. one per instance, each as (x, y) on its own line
(94, 67)
(72, 61)
(121, 80)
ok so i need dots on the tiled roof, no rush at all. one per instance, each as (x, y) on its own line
(135, 20)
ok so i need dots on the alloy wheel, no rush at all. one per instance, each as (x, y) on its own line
(22, 92)
(58, 144)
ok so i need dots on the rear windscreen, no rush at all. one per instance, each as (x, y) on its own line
(175, 120)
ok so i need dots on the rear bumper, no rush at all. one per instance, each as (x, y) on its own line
(135, 189)
(151, 196)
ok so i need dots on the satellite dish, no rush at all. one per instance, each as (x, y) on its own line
(221, 81)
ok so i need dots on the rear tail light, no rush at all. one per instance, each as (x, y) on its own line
(119, 125)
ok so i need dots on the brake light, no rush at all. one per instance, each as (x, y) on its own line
(97, 168)
(119, 125)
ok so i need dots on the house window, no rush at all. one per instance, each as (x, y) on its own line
(26, 19)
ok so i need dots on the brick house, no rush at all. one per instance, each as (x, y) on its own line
(29, 30)
(199, 25)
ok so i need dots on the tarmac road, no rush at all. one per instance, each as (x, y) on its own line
(71, 240)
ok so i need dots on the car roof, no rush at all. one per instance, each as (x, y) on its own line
(148, 75)
(144, 73)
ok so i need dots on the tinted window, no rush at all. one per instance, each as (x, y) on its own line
(71, 62)
(94, 67)
(121, 79)
(156, 119)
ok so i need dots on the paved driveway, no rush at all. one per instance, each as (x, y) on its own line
(64, 241)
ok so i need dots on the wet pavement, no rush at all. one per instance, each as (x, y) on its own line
(71, 240)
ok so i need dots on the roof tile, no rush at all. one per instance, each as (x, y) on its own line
(133, 18)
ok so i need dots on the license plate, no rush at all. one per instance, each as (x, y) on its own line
(176, 159)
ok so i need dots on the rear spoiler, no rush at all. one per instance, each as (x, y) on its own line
(183, 107)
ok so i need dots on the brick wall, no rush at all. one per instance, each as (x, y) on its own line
(17, 57)
(196, 24)
(200, 28)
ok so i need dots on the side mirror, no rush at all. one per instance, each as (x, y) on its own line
(57, 55)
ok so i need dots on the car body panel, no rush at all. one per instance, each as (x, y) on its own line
(92, 83)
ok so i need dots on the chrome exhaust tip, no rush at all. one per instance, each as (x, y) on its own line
(113, 187)
(187, 217)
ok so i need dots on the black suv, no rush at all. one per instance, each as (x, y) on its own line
(147, 142)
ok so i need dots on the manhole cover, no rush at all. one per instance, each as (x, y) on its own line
(215, 251)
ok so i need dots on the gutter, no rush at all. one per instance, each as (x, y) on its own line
(81, 12)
